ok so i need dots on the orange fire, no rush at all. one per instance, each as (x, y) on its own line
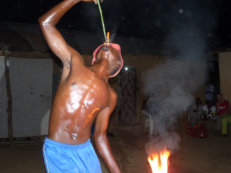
(108, 37)
(159, 161)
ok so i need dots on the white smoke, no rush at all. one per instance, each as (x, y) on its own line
(171, 85)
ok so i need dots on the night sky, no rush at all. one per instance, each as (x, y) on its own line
(154, 19)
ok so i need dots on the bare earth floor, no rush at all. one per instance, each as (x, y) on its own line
(211, 155)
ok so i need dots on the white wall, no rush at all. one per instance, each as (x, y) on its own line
(3, 101)
(31, 88)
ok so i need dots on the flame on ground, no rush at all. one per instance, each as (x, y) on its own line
(159, 161)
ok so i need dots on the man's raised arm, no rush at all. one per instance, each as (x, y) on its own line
(53, 37)
(100, 135)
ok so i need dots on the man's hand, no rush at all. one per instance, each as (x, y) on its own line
(95, 1)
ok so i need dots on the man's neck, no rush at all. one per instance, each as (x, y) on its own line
(100, 72)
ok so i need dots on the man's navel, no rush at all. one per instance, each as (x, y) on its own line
(74, 136)
(73, 85)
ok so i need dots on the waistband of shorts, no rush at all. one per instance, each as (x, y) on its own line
(69, 146)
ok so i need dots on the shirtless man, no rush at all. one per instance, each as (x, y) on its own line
(82, 96)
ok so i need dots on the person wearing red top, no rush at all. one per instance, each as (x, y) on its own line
(223, 108)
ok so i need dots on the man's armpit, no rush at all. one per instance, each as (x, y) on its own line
(67, 64)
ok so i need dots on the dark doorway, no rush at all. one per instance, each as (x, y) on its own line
(212, 86)
(126, 108)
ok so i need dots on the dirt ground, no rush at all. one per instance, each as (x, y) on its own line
(210, 155)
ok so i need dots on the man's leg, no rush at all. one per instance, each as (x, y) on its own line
(224, 123)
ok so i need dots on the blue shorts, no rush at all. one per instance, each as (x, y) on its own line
(66, 158)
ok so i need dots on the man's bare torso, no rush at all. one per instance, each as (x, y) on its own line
(80, 96)
(83, 94)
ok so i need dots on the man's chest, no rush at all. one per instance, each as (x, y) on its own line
(89, 93)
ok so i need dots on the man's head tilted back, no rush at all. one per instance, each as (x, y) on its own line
(110, 52)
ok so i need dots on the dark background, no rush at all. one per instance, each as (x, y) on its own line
(152, 19)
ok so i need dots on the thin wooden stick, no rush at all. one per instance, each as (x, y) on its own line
(102, 20)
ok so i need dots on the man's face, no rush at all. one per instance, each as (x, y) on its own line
(107, 52)
(112, 56)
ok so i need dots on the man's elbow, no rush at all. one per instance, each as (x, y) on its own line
(42, 21)
(99, 137)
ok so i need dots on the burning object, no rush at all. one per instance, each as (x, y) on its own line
(159, 161)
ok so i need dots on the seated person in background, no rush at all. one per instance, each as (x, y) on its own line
(149, 109)
(209, 110)
(224, 122)
(149, 106)
(209, 91)
(222, 109)
(195, 112)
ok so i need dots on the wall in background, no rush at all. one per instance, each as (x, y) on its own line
(3, 101)
(31, 90)
(225, 72)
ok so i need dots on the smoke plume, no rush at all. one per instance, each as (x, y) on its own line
(173, 83)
